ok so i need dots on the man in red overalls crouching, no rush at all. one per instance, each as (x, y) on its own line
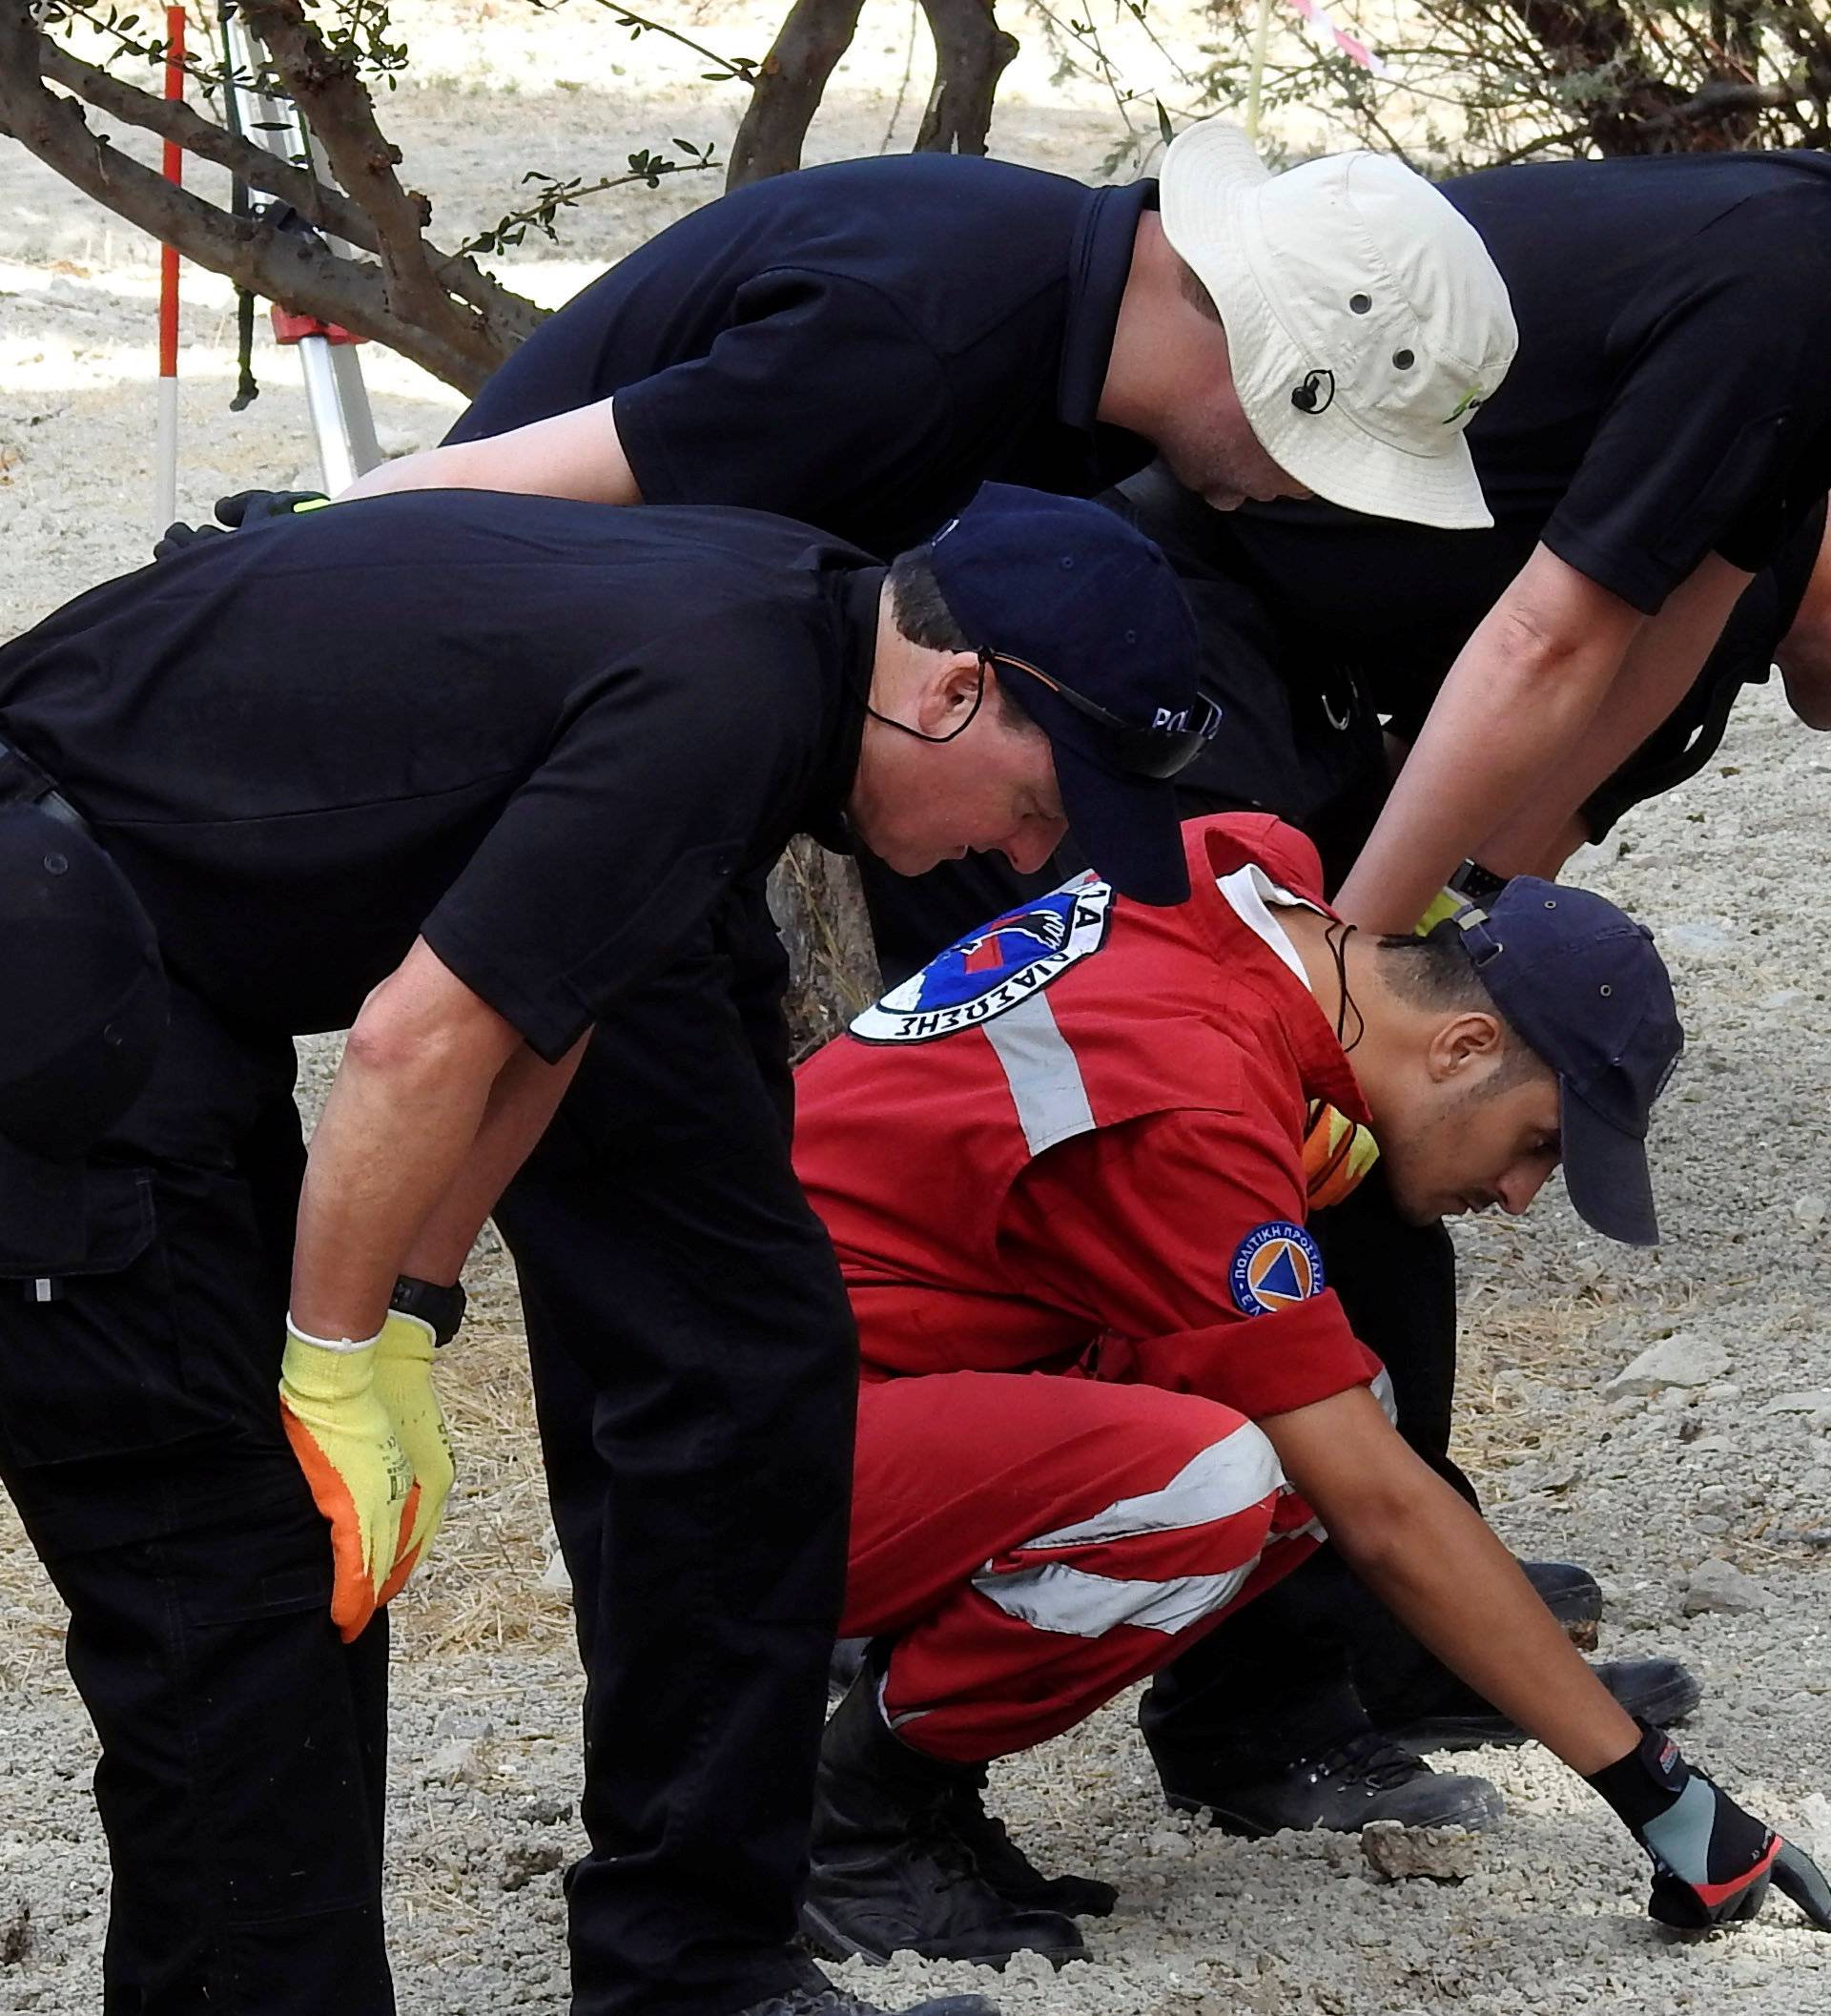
(1107, 1394)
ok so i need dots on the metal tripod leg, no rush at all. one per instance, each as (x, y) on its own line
(339, 403)
(336, 397)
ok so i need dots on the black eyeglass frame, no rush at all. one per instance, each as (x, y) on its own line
(1157, 753)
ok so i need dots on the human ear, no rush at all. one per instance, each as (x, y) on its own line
(951, 692)
(1462, 1044)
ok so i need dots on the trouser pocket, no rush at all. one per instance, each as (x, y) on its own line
(92, 1361)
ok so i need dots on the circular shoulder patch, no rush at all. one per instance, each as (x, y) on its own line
(1275, 1266)
(994, 969)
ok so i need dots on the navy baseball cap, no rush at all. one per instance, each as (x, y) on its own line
(1582, 982)
(83, 1005)
(1090, 633)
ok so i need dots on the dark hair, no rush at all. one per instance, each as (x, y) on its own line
(917, 606)
(922, 615)
(1434, 973)
(1195, 293)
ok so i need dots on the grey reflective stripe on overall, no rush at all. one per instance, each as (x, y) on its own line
(1040, 1068)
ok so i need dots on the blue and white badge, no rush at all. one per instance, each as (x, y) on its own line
(994, 969)
(1275, 1266)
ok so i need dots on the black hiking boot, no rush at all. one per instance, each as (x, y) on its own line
(1571, 1594)
(846, 1664)
(828, 2000)
(1658, 1691)
(1365, 1778)
(1007, 1868)
(889, 1874)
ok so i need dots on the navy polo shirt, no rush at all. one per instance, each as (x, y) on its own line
(548, 736)
(859, 346)
(1670, 398)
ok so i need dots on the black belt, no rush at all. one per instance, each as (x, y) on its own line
(23, 783)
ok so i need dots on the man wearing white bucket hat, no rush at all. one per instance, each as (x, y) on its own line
(1364, 326)
(1360, 326)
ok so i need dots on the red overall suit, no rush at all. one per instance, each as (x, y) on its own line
(1064, 1167)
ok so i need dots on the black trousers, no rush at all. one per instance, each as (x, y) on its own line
(695, 1372)
(242, 1744)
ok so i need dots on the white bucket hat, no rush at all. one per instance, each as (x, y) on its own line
(1366, 321)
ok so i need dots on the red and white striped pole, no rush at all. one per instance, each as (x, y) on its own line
(165, 470)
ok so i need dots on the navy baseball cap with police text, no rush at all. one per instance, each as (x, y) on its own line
(1583, 984)
(1088, 630)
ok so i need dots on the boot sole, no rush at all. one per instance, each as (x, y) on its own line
(1474, 1814)
(825, 1939)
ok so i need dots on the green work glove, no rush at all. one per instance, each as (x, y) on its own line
(360, 1479)
(403, 1386)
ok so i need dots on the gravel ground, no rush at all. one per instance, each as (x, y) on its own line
(1720, 1453)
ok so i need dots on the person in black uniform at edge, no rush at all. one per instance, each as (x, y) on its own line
(492, 781)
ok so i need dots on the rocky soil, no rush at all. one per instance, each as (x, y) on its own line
(1664, 1417)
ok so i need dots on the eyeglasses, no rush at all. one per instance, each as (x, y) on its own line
(1160, 751)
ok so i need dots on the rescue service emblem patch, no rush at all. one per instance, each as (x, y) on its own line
(994, 969)
(1275, 1266)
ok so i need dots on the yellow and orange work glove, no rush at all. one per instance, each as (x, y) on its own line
(360, 1477)
(403, 1384)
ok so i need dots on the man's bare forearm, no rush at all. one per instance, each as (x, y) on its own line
(402, 1115)
(1512, 709)
(1660, 667)
(525, 1097)
(1446, 1576)
(1433, 1559)
(576, 454)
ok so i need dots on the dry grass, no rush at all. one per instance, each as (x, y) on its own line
(481, 1589)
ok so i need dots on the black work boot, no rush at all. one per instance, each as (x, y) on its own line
(1007, 1868)
(1367, 1776)
(828, 2000)
(846, 1664)
(1455, 1717)
(888, 1873)
(1571, 1594)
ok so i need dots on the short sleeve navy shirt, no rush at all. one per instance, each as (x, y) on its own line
(859, 346)
(548, 736)
(1670, 398)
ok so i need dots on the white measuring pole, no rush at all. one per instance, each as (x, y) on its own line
(165, 444)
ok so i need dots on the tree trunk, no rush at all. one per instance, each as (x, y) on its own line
(461, 344)
(970, 52)
(789, 84)
(820, 911)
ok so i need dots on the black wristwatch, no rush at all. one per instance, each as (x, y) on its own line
(1477, 883)
(441, 1308)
